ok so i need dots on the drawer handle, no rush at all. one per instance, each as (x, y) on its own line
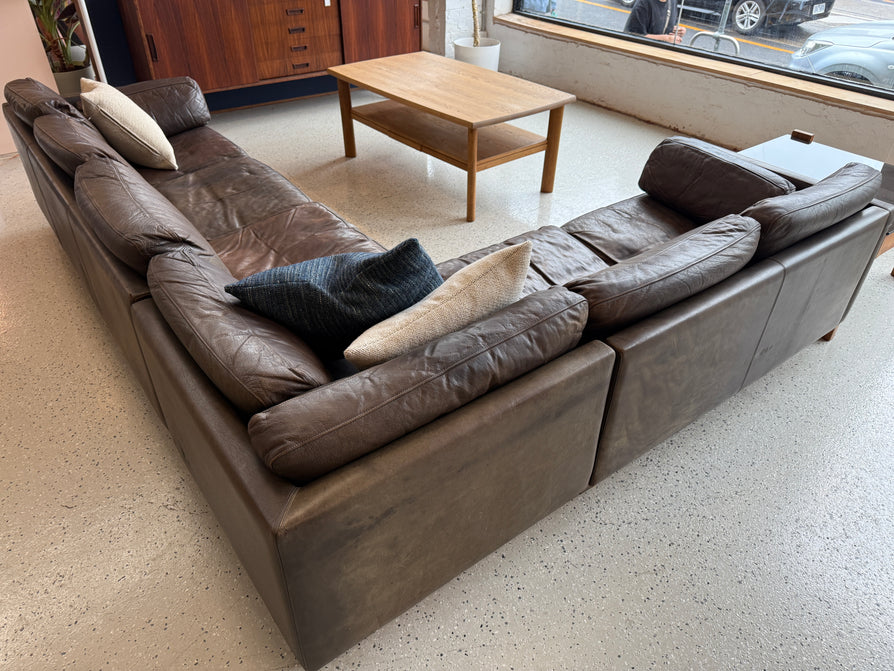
(294, 12)
(302, 47)
(293, 31)
(153, 51)
(298, 66)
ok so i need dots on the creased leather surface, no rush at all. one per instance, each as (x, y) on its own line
(223, 196)
(255, 362)
(176, 104)
(194, 149)
(666, 274)
(787, 219)
(628, 227)
(29, 99)
(69, 141)
(706, 182)
(556, 257)
(327, 427)
(307, 231)
(130, 217)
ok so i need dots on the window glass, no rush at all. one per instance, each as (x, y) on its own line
(850, 41)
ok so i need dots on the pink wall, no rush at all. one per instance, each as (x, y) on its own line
(21, 54)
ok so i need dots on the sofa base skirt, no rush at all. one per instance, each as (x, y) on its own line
(338, 558)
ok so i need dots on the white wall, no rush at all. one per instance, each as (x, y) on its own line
(718, 109)
(21, 54)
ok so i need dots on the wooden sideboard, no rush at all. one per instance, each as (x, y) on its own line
(227, 44)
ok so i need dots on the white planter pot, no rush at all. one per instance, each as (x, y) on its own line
(486, 54)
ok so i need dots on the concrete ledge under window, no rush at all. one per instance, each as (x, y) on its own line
(728, 103)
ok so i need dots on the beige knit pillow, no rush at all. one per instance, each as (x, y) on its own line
(470, 294)
(130, 130)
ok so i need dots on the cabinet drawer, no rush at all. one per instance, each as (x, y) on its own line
(293, 37)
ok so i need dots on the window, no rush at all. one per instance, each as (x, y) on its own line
(849, 43)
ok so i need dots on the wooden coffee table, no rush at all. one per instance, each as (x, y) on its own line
(453, 111)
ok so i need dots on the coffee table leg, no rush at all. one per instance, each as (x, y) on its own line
(347, 123)
(552, 149)
(472, 172)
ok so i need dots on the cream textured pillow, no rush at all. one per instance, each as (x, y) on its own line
(126, 126)
(470, 294)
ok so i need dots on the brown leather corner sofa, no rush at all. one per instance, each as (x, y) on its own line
(635, 319)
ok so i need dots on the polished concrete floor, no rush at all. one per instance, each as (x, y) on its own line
(760, 537)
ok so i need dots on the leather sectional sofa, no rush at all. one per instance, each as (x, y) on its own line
(634, 320)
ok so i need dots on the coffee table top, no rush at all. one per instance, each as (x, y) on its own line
(459, 92)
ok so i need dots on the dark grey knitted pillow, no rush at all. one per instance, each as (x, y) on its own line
(331, 300)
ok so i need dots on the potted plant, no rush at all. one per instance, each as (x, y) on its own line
(483, 51)
(57, 22)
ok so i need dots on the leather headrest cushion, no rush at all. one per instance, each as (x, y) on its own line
(30, 99)
(786, 219)
(706, 182)
(666, 274)
(70, 141)
(129, 215)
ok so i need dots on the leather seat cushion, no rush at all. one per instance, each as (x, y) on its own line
(624, 229)
(706, 182)
(307, 231)
(194, 150)
(220, 196)
(786, 219)
(556, 257)
(666, 274)
(255, 362)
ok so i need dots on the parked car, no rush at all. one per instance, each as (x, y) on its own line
(862, 52)
(749, 16)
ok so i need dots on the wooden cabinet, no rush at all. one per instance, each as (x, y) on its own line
(382, 28)
(226, 44)
(295, 37)
(209, 40)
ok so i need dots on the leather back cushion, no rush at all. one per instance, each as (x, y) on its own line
(131, 218)
(328, 427)
(666, 274)
(786, 219)
(29, 99)
(706, 182)
(176, 104)
(70, 141)
(254, 362)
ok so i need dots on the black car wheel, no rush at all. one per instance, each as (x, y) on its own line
(749, 16)
(849, 76)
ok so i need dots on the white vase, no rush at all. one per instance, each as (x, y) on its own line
(486, 54)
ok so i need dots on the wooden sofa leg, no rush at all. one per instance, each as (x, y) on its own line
(829, 335)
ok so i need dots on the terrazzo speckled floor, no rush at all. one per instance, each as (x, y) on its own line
(760, 537)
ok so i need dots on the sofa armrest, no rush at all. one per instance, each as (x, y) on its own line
(329, 426)
(176, 104)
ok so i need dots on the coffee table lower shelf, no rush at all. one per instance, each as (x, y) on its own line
(448, 141)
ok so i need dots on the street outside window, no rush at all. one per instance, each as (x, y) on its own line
(848, 41)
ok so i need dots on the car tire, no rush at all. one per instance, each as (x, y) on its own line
(749, 16)
(850, 76)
